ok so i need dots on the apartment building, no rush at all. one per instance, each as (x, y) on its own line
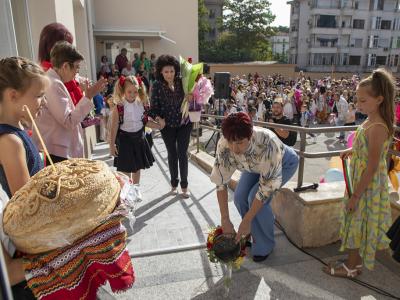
(344, 35)
(102, 27)
(214, 13)
(280, 46)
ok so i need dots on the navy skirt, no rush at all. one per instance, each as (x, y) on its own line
(134, 152)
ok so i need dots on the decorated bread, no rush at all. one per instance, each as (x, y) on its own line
(60, 205)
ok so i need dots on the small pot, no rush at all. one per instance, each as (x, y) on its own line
(194, 116)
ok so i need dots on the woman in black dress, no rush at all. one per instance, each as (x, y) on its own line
(166, 100)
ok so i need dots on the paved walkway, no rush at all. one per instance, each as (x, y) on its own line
(170, 224)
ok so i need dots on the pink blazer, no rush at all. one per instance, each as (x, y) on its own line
(60, 121)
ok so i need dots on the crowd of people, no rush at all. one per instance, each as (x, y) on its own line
(139, 95)
(301, 101)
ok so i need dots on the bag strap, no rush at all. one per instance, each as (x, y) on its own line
(120, 109)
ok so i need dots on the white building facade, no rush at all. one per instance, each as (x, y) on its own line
(344, 35)
(102, 27)
(215, 8)
(280, 45)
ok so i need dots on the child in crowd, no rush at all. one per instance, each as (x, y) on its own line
(253, 113)
(305, 119)
(367, 215)
(351, 116)
(22, 83)
(128, 143)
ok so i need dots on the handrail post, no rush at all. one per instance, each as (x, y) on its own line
(300, 174)
(198, 136)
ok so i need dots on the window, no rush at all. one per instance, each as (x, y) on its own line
(381, 60)
(386, 24)
(212, 14)
(324, 59)
(396, 24)
(354, 60)
(345, 59)
(380, 4)
(396, 60)
(358, 24)
(371, 60)
(398, 42)
(326, 21)
(373, 41)
(356, 5)
(377, 23)
(212, 33)
(358, 43)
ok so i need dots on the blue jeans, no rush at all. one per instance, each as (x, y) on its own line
(342, 134)
(262, 226)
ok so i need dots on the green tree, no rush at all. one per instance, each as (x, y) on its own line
(246, 27)
(280, 28)
(250, 21)
(204, 26)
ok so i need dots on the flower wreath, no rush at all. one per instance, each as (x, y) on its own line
(212, 235)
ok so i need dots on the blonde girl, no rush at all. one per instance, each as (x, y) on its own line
(128, 120)
(367, 217)
(22, 83)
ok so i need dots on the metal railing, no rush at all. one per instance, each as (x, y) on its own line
(303, 131)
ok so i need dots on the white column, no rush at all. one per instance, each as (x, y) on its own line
(8, 42)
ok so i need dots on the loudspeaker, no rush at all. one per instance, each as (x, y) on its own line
(206, 69)
(222, 81)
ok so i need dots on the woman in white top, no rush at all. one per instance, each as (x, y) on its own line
(128, 143)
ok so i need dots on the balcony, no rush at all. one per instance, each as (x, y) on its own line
(324, 30)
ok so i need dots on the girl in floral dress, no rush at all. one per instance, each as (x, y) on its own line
(367, 217)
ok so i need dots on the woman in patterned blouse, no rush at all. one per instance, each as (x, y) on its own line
(266, 164)
(166, 100)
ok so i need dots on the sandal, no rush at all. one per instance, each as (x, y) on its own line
(174, 191)
(185, 193)
(358, 267)
(334, 271)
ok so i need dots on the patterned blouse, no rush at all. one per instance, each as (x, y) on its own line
(264, 156)
(166, 103)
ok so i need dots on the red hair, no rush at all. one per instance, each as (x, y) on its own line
(237, 126)
(51, 34)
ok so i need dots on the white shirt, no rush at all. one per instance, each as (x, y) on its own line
(342, 107)
(127, 72)
(261, 111)
(133, 113)
(288, 110)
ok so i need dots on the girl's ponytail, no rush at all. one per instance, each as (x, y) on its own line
(119, 90)
(381, 83)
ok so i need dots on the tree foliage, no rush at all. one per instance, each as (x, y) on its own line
(204, 26)
(246, 27)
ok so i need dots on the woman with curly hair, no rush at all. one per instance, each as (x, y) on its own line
(166, 100)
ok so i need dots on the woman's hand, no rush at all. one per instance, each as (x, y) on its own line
(161, 122)
(93, 90)
(113, 150)
(227, 226)
(244, 230)
(189, 96)
(346, 153)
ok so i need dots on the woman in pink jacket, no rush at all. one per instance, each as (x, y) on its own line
(60, 121)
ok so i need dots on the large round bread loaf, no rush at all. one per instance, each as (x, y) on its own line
(55, 208)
